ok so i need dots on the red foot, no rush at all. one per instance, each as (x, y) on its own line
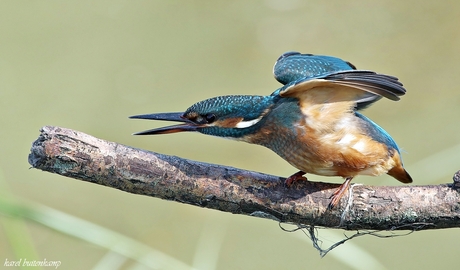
(295, 177)
(338, 194)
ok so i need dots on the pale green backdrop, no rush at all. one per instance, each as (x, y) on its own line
(88, 65)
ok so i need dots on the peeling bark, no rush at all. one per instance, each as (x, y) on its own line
(77, 155)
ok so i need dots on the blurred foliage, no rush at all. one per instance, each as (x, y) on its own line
(63, 223)
(88, 65)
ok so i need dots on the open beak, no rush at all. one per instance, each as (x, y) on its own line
(175, 117)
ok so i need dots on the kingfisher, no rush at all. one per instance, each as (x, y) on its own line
(312, 121)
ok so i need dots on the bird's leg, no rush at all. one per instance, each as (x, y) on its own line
(339, 193)
(295, 177)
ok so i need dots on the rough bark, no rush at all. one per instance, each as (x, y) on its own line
(77, 155)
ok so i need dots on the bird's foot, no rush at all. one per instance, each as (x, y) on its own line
(294, 178)
(338, 194)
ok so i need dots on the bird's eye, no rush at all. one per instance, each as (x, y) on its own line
(210, 117)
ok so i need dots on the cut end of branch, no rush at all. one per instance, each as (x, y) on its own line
(456, 179)
(37, 156)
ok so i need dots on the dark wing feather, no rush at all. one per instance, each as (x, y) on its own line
(379, 84)
(361, 86)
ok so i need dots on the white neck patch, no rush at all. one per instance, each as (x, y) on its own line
(245, 124)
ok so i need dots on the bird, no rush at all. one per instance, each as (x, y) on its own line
(313, 121)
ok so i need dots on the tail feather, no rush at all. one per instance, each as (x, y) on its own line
(400, 174)
(398, 170)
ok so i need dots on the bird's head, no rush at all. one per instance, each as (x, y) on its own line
(224, 116)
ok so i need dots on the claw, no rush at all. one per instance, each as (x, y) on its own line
(338, 194)
(294, 178)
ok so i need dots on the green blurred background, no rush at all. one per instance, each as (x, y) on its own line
(88, 65)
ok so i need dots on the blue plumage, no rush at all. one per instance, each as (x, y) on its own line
(292, 66)
(377, 133)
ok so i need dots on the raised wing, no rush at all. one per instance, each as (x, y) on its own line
(359, 86)
(293, 66)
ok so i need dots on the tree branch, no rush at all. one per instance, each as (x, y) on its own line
(77, 155)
